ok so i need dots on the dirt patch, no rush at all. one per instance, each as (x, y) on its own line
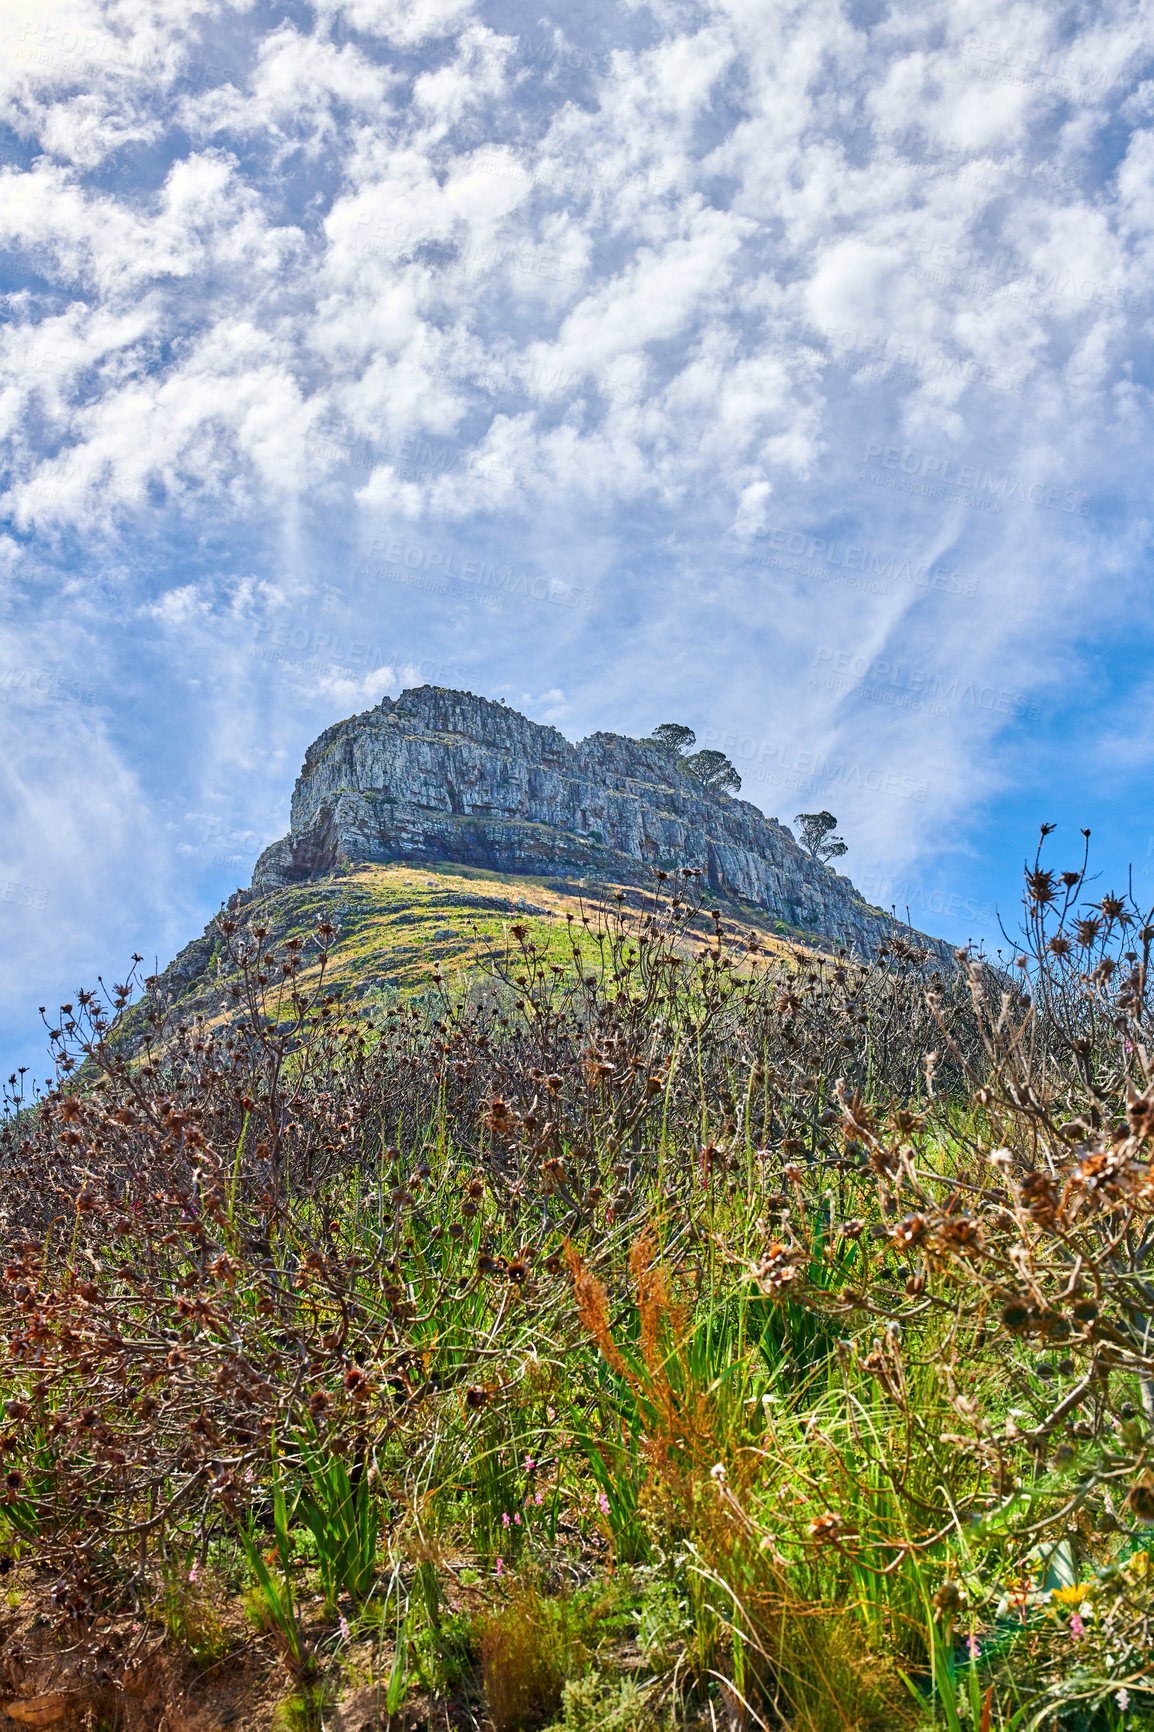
(124, 1675)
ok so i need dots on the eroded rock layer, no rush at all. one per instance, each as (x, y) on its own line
(438, 775)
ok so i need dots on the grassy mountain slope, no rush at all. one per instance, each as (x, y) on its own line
(398, 925)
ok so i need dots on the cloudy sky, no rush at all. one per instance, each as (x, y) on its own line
(783, 369)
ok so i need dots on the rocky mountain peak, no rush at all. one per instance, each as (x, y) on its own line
(445, 776)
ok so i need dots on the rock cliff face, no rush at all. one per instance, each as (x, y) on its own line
(443, 775)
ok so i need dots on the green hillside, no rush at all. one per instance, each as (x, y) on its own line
(398, 927)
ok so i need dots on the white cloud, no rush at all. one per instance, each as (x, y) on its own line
(630, 311)
(405, 22)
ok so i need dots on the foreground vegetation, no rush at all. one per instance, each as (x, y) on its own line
(657, 1330)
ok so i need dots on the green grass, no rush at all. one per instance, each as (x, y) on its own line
(680, 1390)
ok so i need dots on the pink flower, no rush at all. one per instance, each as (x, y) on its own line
(528, 1464)
(602, 1503)
(505, 1518)
(972, 1644)
(193, 1574)
(500, 1567)
(540, 1498)
(345, 1631)
(1077, 1627)
(517, 1518)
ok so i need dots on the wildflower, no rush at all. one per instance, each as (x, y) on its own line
(500, 1567)
(345, 1631)
(505, 1518)
(193, 1574)
(1077, 1627)
(973, 1647)
(540, 1498)
(1122, 1698)
(517, 1517)
(528, 1464)
(602, 1503)
(717, 1471)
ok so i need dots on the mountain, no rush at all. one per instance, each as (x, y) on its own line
(438, 776)
(421, 828)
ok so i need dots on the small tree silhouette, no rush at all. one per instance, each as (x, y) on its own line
(714, 771)
(817, 838)
(675, 735)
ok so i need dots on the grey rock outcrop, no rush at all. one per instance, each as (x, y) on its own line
(439, 775)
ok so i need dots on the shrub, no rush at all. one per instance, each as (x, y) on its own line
(524, 1658)
(595, 1703)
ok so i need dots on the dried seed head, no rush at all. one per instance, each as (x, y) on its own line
(1140, 1500)
(948, 1600)
(826, 1529)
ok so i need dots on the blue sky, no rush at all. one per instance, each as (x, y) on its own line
(784, 370)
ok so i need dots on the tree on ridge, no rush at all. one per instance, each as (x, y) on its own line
(676, 735)
(714, 771)
(817, 836)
